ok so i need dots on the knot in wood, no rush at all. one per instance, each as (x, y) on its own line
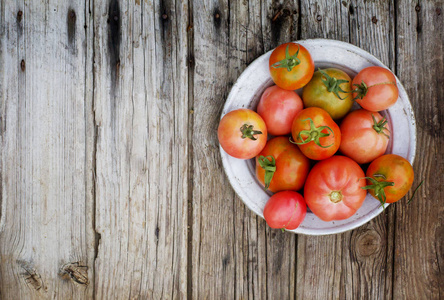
(418, 8)
(19, 15)
(75, 271)
(374, 20)
(319, 18)
(22, 65)
(368, 243)
(438, 11)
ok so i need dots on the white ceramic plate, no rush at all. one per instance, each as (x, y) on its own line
(246, 93)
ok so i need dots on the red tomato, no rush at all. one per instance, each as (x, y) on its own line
(291, 66)
(285, 210)
(242, 133)
(333, 190)
(375, 88)
(282, 166)
(278, 107)
(316, 134)
(389, 178)
(364, 136)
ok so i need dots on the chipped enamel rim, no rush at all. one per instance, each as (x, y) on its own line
(246, 93)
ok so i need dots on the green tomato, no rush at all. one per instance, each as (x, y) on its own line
(329, 89)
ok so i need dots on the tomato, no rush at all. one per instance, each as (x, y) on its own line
(278, 107)
(329, 89)
(242, 133)
(375, 88)
(333, 190)
(389, 178)
(291, 66)
(281, 166)
(316, 134)
(285, 210)
(364, 136)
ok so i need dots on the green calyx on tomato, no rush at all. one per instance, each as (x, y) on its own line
(378, 187)
(289, 62)
(314, 134)
(333, 84)
(362, 89)
(379, 127)
(248, 132)
(269, 165)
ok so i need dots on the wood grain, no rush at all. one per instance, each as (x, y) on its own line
(46, 233)
(354, 264)
(141, 114)
(110, 174)
(419, 226)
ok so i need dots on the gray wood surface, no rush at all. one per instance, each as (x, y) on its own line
(111, 180)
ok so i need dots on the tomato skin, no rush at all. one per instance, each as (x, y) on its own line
(379, 96)
(291, 165)
(278, 107)
(396, 169)
(359, 140)
(316, 94)
(320, 118)
(300, 75)
(338, 174)
(285, 210)
(230, 135)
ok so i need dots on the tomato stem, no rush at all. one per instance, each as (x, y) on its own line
(313, 134)
(378, 187)
(269, 165)
(333, 84)
(362, 89)
(248, 132)
(379, 127)
(414, 192)
(336, 196)
(289, 62)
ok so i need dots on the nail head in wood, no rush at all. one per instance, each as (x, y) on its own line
(22, 65)
(319, 18)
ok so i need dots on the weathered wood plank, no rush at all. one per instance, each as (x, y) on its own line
(419, 231)
(141, 111)
(234, 254)
(46, 233)
(354, 264)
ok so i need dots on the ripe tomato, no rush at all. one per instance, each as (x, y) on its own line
(389, 178)
(375, 88)
(329, 89)
(242, 133)
(316, 134)
(364, 136)
(333, 190)
(281, 166)
(291, 66)
(278, 107)
(285, 210)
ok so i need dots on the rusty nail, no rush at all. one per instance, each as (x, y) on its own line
(164, 16)
(22, 65)
(277, 15)
(374, 20)
(217, 16)
(418, 8)
(19, 14)
(319, 18)
(116, 18)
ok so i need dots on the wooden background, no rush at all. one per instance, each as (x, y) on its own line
(110, 175)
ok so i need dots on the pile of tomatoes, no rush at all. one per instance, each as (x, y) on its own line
(307, 134)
